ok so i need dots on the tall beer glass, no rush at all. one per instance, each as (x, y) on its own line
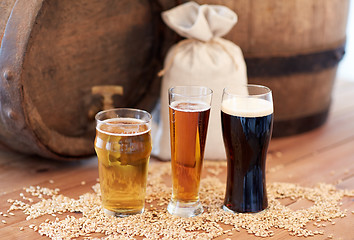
(123, 146)
(247, 123)
(189, 109)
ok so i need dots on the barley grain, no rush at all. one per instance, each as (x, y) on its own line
(156, 223)
(278, 154)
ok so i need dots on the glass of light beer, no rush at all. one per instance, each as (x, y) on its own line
(123, 146)
(247, 123)
(189, 109)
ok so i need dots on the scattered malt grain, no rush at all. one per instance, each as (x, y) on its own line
(278, 154)
(276, 168)
(86, 217)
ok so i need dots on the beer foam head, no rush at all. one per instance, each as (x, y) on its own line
(189, 106)
(123, 127)
(247, 107)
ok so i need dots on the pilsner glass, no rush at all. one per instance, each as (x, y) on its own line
(123, 146)
(189, 109)
(247, 123)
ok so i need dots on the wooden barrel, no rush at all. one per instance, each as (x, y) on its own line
(293, 47)
(58, 59)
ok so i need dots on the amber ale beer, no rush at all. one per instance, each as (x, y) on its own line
(247, 127)
(189, 119)
(123, 146)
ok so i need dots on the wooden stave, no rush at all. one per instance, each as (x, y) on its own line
(13, 122)
(250, 37)
(18, 117)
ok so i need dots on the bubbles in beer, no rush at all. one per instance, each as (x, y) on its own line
(123, 127)
(188, 126)
(123, 147)
(189, 106)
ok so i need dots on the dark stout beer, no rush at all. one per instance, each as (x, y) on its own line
(188, 129)
(247, 127)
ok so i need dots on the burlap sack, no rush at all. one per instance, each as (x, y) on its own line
(203, 59)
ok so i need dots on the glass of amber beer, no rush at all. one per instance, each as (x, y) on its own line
(123, 146)
(189, 109)
(247, 123)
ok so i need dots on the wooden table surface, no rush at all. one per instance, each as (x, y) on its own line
(322, 155)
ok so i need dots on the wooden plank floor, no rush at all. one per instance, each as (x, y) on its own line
(322, 155)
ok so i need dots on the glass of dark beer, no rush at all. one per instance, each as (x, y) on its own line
(247, 124)
(189, 109)
(123, 146)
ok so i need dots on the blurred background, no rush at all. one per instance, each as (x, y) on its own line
(346, 66)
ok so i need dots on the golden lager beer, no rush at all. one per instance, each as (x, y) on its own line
(123, 146)
(189, 111)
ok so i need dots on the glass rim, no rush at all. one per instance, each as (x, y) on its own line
(123, 109)
(258, 86)
(210, 91)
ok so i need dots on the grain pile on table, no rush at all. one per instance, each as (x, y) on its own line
(83, 217)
